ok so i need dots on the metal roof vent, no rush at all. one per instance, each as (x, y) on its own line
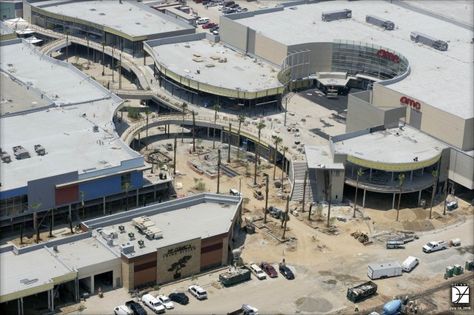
(39, 149)
(429, 41)
(141, 243)
(329, 16)
(5, 156)
(374, 20)
(127, 248)
(121, 228)
(95, 128)
(20, 152)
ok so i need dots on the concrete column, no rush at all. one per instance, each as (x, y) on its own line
(393, 201)
(419, 197)
(70, 211)
(370, 174)
(222, 137)
(363, 199)
(392, 176)
(52, 299)
(20, 306)
(103, 204)
(154, 193)
(49, 299)
(422, 171)
(76, 289)
(207, 132)
(411, 176)
(92, 285)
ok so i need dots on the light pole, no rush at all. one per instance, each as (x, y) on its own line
(266, 198)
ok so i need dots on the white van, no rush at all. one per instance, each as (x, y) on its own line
(234, 192)
(410, 263)
(259, 273)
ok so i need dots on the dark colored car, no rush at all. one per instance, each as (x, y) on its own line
(180, 298)
(209, 25)
(269, 270)
(136, 308)
(286, 272)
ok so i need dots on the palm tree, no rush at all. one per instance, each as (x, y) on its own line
(82, 194)
(401, 179)
(230, 139)
(278, 140)
(285, 149)
(147, 112)
(359, 174)
(241, 120)
(260, 126)
(434, 173)
(184, 106)
(194, 131)
(328, 184)
(216, 108)
(285, 219)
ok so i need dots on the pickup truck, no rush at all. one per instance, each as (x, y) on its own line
(245, 310)
(435, 246)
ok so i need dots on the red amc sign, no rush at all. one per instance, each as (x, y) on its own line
(382, 53)
(409, 102)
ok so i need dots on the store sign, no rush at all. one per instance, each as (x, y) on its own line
(409, 102)
(382, 53)
(184, 249)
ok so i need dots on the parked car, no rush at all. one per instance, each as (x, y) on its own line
(270, 271)
(165, 301)
(410, 263)
(234, 192)
(202, 20)
(153, 303)
(209, 25)
(451, 205)
(286, 272)
(258, 272)
(179, 297)
(215, 32)
(136, 308)
(122, 310)
(274, 212)
(198, 292)
(435, 246)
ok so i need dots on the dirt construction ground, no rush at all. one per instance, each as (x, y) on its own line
(325, 262)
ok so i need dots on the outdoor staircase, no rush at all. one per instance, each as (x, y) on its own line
(297, 171)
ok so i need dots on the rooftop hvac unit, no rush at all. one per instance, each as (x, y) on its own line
(429, 41)
(131, 236)
(142, 223)
(20, 152)
(153, 232)
(386, 24)
(5, 157)
(39, 149)
(121, 228)
(141, 243)
(127, 248)
(95, 128)
(329, 16)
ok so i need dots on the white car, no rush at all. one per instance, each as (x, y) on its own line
(153, 303)
(202, 20)
(198, 292)
(435, 246)
(259, 273)
(122, 310)
(165, 301)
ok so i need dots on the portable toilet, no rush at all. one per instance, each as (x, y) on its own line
(392, 307)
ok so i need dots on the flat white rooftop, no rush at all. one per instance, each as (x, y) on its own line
(29, 272)
(129, 17)
(320, 157)
(66, 132)
(237, 72)
(201, 219)
(440, 79)
(391, 146)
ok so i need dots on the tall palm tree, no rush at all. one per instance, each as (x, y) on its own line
(434, 173)
(328, 183)
(285, 149)
(260, 126)
(194, 131)
(230, 141)
(278, 140)
(359, 174)
(241, 120)
(184, 106)
(82, 194)
(147, 113)
(401, 179)
(216, 108)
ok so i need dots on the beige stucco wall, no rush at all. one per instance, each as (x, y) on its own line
(461, 169)
(127, 274)
(169, 255)
(269, 49)
(233, 33)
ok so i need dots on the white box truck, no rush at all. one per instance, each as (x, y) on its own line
(384, 270)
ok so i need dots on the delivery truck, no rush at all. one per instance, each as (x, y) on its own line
(384, 270)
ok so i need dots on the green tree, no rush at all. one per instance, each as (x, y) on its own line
(184, 106)
(241, 120)
(401, 180)
(216, 108)
(435, 174)
(260, 126)
(359, 174)
(278, 140)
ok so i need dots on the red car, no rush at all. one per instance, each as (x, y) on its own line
(209, 25)
(269, 270)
